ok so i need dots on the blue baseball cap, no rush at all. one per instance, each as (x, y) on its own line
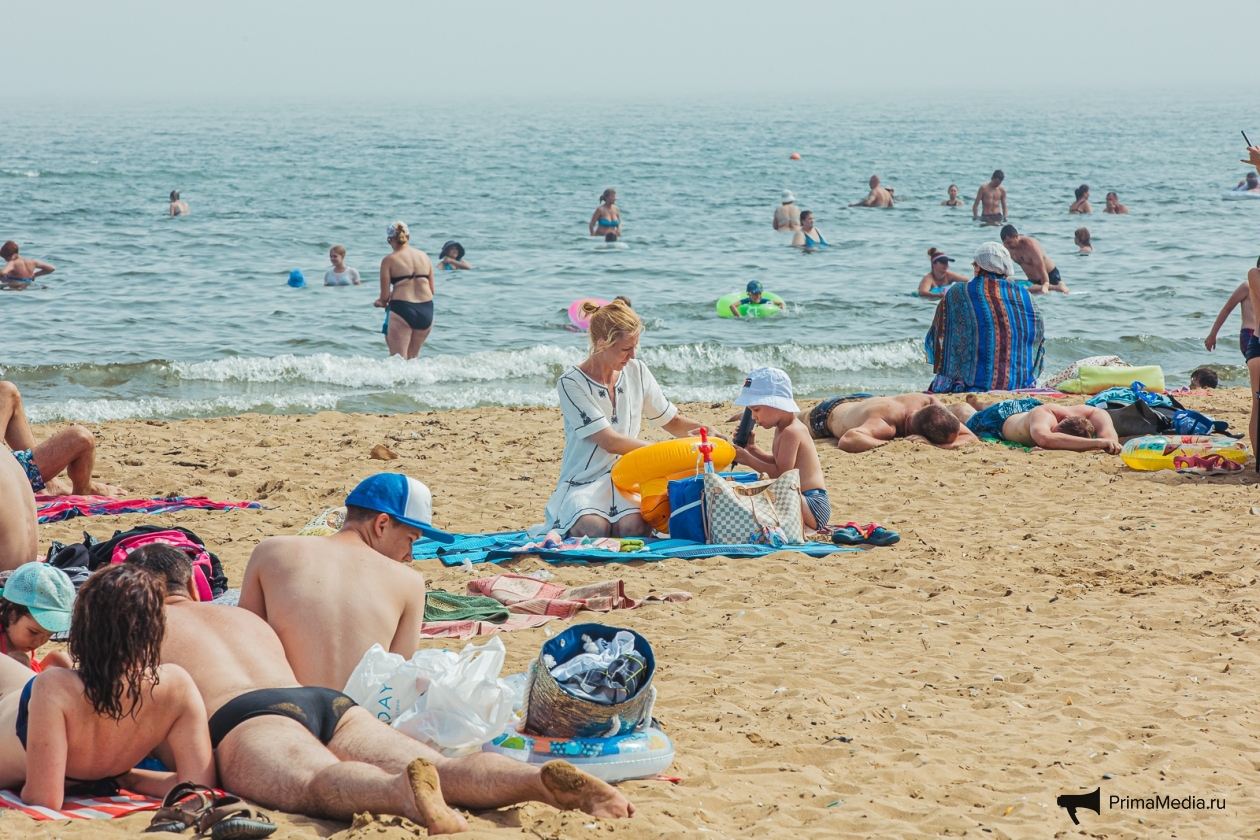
(403, 498)
(297, 279)
(754, 287)
(45, 591)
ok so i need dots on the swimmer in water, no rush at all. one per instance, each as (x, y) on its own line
(787, 216)
(953, 200)
(1081, 205)
(18, 272)
(755, 291)
(452, 257)
(1249, 184)
(607, 217)
(877, 197)
(1081, 238)
(407, 292)
(1039, 268)
(339, 274)
(177, 208)
(991, 198)
(808, 236)
(1113, 205)
(936, 281)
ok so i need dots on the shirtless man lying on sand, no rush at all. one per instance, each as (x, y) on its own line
(861, 422)
(1076, 428)
(72, 450)
(312, 750)
(19, 528)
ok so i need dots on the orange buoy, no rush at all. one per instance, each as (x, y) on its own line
(794, 156)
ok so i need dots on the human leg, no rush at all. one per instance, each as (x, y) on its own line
(398, 338)
(17, 431)
(590, 525)
(18, 529)
(417, 341)
(72, 450)
(631, 525)
(276, 762)
(480, 781)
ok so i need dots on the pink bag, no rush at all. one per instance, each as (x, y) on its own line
(202, 568)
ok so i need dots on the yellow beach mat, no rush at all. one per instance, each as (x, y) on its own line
(1092, 380)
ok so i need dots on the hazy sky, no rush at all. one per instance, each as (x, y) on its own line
(135, 49)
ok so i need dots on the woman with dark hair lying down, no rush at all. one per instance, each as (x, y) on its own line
(94, 724)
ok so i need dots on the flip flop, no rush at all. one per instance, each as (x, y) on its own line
(235, 822)
(182, 806)
(1213, 464)
(873, 534)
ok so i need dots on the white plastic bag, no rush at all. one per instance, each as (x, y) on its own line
(453, 702)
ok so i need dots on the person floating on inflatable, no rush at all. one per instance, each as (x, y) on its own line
(754, 298)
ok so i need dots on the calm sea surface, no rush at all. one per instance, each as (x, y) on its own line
(149, 316)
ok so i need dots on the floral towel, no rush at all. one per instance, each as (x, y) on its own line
(522, 594)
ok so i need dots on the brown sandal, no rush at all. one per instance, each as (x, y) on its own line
(183, 805)
(235, 822)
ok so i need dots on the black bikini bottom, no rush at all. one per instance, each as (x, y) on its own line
(419, 316)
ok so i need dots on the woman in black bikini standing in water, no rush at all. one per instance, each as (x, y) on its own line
(407, 292)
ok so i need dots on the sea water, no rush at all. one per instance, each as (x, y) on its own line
(152, 316)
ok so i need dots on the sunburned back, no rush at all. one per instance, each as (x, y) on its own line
(1018, 428)
(891, 410)
(226, 650)
(329, 599)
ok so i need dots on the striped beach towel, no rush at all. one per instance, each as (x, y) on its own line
(987, 335)
(83, 807)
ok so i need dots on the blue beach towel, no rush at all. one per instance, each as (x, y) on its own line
(987, 335)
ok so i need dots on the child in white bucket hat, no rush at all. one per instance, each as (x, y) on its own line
(768, 392)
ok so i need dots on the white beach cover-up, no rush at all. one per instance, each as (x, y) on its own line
(586, 470)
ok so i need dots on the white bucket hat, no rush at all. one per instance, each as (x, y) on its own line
(788, 198)
(994, 258)
(768, 386)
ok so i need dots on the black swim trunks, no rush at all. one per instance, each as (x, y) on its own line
(1244, 341)
(992, 217)
(819, 414)
(419, 316)
(318, 709)
(1253, 348)
(1055, 278)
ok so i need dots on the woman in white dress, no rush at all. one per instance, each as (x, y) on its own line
(604, 401)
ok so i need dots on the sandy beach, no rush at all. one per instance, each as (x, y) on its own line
(1049, 624)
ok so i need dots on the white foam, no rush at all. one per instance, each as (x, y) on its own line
(98, 411)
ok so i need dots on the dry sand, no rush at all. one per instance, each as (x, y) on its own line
(1047, 620)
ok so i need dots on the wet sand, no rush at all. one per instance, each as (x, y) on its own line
(1048, 620)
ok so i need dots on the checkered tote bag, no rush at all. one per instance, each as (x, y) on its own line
(734, 511)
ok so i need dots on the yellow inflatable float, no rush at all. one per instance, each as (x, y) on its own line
(649, 470)
(1171, 452)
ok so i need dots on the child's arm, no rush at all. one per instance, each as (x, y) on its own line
(1239, 295)
(788, 442)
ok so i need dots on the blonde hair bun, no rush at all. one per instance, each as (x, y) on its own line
(398, 230)
(611, 322)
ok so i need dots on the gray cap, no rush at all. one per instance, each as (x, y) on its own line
(994, 258)
(788, 197)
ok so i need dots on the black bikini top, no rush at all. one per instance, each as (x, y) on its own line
(394, 280)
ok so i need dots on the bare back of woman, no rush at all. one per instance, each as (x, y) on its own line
(407, 292)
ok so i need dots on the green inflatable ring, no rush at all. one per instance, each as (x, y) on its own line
(749, 310)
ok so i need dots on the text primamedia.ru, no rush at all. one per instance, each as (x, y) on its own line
(1165, 803)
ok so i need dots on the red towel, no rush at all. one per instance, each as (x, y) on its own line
(83, 807)
(59, 508)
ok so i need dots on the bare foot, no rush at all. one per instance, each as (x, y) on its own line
(574, 790)
(974, 402)
(56, 487)
(431, 810)
(96, 488)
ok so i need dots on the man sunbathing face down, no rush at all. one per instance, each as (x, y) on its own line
(312, 750)
(329, 599)
(121, 704)
(865, 424)
(1075, 428)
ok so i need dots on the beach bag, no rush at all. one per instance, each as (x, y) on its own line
(207, 570)
(1139, 419)
(1188, 422)
(553, 711)
(686, 497)
(737, 514)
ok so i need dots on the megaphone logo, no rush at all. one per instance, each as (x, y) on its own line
(1072, 801)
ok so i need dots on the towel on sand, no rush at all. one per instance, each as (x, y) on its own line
(987, 335)
(59, 508)
(83, 807)
(533, 603)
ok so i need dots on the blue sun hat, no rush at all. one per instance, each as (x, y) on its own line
(297, 279)
(45, 591)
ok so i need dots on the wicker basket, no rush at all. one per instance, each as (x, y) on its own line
(553, 712)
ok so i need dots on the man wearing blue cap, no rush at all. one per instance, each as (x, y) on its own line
(330, 599)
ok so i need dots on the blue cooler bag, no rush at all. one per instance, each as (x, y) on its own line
(686, 520)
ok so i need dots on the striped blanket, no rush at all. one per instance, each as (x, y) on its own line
(82, 807)
(987, 335)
